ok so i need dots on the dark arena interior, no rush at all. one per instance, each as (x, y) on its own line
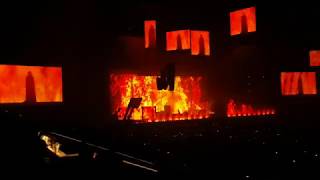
(219, 89)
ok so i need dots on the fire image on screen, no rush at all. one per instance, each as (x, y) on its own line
(150, 36)
(30, 84)
(200, 43)
(178, 40)
(243, 21)
(298, 83)
(235, 109)
(185, 102)
(314, 57)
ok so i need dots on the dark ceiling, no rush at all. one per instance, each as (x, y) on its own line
(51, 27)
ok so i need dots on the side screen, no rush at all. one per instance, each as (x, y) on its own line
(178, 40)
(200, 43)
(298, 83)
(314, 58)
(150, 36)
(243, 21)
(30, 84)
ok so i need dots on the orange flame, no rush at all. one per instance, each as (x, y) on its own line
(150, 33)
(200, 43)
(178, 38)
(47, 80)
(314, 58)
(54, 147)
(294, 83)
(185, 102)
(234, 110)
(236, 23)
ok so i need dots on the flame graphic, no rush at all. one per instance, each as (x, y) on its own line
(185, 102)
(234, 110)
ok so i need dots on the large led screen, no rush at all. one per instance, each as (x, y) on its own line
(30, 84)
(185, 102)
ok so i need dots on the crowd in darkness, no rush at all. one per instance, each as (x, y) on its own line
(255, 149)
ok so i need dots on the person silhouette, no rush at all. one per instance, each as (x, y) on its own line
(292, 87)
(201, 45)
(30, 89)
(244, 24)
(300, 85)
(179, 42)
(152, 37)
(286, 85)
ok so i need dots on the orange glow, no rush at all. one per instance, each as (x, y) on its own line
(185, 102)
(314, 58)
(178, 40)
(234, 110)
(54, 147)
(46, 84)
(243, 21)
(295, 83)
(200, 43)
(148, 113)
(150, 35)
